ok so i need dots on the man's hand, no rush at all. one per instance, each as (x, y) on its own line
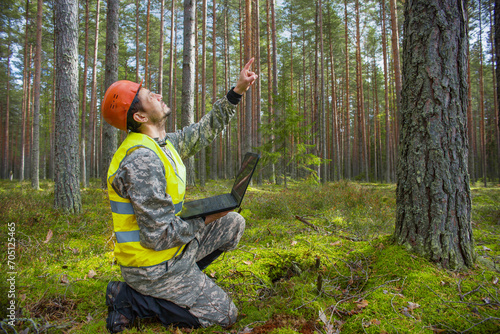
(247, 78)
(215, 216)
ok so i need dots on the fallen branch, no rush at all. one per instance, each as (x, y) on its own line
(303, 220)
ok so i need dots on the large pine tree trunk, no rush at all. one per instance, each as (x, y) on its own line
(35, 152)
(67, 187)
(109, 132)
(433, 194)
(188, 72)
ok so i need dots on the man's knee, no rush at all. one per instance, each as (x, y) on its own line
(234, 226)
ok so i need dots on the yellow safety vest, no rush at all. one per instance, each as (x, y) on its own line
(128, 250)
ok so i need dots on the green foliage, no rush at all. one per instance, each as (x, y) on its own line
(340, 271)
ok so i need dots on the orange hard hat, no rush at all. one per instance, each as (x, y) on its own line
(117, 101)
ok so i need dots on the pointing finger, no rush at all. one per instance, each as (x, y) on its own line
(247, 66)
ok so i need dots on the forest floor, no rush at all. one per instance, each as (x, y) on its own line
(313, 259)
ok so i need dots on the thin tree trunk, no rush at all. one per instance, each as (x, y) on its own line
(481, 102)
(247, 142)
(93, 99)
(147, 74)
(258, 85)
(495, 97)
(109, 132)
(137, 26)
(83, 132)
(278, 169)
(53, 114)
(213, 160)
(171, 124)
(470, 124)
(6, 157)
(335, 122)
(362, 151)
(497, 58)
(162, 37)
(229, 156)
(67, 187)
(270, 86)
(323, 176)
(388, 178)
(347, 99)
(35, 158)
(188, 73)
(396, 57)
(25, 103)
(203, 167)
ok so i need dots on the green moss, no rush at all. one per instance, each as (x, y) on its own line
(274, 275)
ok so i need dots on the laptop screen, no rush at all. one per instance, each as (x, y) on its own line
(244, 175)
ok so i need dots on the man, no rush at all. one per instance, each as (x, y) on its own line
(162, 256)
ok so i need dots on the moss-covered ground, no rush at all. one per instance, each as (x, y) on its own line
(313, 259)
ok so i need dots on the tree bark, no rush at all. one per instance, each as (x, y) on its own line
(433, 194)
(188, 72)
(67, 187)
(109, 140)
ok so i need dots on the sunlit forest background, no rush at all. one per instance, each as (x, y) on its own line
(325, 105)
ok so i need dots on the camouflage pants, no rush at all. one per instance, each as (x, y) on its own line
(182, 282)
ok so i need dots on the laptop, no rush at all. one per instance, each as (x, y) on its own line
(225, 202)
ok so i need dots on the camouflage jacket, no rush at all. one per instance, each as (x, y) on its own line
(141, 179)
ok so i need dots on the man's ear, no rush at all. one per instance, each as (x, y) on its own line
(140, 117)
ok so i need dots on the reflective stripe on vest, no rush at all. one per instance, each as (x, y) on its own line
(128, 250)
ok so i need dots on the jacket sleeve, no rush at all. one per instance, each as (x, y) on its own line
(194, 137)
(141, 179)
